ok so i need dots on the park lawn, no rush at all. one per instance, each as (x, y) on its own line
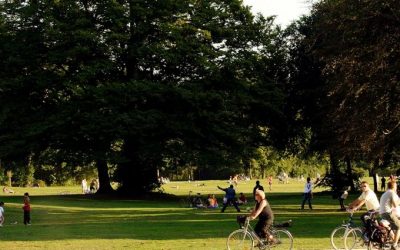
(62, 218)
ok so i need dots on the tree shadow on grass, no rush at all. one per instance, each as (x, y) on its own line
(78, 217)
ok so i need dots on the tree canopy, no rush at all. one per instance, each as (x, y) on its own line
(134, 83)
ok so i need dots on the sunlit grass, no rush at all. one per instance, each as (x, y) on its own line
(77, 221)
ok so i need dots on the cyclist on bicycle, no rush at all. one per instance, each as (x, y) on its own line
(389, 201)
(263, 211)
(367, 197)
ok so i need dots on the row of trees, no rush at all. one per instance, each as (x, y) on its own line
(132, 87)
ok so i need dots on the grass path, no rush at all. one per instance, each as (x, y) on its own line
(62, 218)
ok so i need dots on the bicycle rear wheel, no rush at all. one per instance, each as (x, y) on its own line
(240, 240)
(337, 237)
(373, 245)
(282, 239)
(354, 239)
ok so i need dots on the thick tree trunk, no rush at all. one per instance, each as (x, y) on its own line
(104, 177)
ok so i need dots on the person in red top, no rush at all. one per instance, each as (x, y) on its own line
(27, 210)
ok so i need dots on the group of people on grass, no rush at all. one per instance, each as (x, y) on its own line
(26, 208)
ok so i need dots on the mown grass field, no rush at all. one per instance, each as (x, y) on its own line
(62, 218)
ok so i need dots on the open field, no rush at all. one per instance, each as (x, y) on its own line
(62, 218)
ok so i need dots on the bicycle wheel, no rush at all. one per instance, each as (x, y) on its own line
(283, 239)
(372, 245)
(337, 237)
(354, 239)
(240, 239)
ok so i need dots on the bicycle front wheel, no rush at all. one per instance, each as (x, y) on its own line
(354, 239)
(283, 239)
(337, 237)
(240, 240)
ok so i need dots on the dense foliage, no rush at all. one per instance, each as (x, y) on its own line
(196, 88)
(137, 85)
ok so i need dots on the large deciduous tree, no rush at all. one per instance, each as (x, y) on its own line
(347, 51)
(134, 83)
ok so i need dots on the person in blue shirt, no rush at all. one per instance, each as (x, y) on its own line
(230, 196)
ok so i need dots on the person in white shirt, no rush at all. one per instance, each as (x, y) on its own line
(307, 195)
(1, 213)
(388, 203)
(367, 197)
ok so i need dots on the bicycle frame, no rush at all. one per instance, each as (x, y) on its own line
(249, 229)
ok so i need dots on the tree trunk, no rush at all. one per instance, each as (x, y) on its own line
(349, 173)
(104, 177)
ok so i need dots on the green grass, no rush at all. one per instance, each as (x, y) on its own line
(62, 218)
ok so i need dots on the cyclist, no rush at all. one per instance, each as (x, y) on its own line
(367, 197)
(389, 201)
(263, 211)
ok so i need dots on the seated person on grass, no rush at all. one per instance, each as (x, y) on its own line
(242, 199)
(198, 202)
(212, 201)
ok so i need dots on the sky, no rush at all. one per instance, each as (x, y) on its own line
(285, 10)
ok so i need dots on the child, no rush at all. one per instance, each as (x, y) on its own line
(1, 213)
(27, 210)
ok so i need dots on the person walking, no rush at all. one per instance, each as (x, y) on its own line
(307, 195)
(230, 196)
(270, 182)
(383, 183)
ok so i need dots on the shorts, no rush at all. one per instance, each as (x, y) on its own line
(392, 218)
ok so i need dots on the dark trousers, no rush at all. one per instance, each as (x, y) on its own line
(341, 201)
(262, 228)
(27, 217)
(306, 197)
(230, 201)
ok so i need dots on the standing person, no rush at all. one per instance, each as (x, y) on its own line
(93, 186)
(257, 187)
(389, 201)
(342, 197)
(383, 183)
(84, 186)
(235, 180)
(27, 209)
(270, 182)
(1, 213)
(367, 197)
(307, 195)
(263, 211)
(230, 198)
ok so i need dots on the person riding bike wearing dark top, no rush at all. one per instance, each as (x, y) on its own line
(263, 211)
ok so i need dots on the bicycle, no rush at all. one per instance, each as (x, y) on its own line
(381, 238)
(338, 234)
(246, 238)
(187, 201)
(357, 237)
